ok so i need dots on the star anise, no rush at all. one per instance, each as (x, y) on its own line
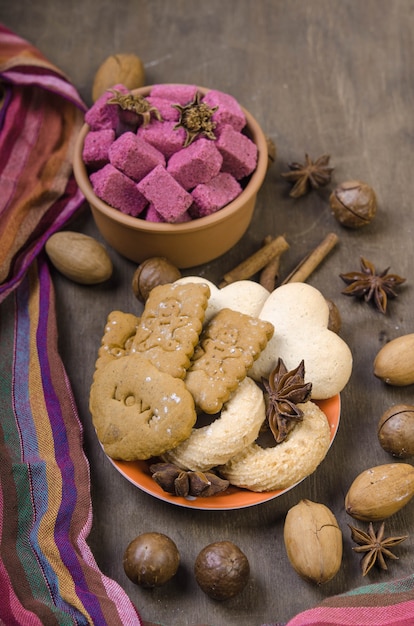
(283, 392)
(133, 106)
(369, 285)
(309, 175)
(179, 482)
(375, 546)
(195, 118)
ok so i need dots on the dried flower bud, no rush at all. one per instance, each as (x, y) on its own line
(151, 273)
(206, 484)
(353, 203)
(182, 484)
(165, 475)
(179, 482)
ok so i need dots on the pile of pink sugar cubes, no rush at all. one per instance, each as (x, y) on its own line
(149, 172)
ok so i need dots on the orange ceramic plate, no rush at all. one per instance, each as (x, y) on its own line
(137, 472)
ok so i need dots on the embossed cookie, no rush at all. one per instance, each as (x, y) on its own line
(228, 346)
(137, 410)
(237, 426)
(120, 330)
(170, 326)
(282, 466)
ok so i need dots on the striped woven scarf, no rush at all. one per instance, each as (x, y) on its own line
(383, 604)
(47, 572)
(40, 116)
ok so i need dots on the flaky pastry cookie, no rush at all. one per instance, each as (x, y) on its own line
(238, 426)
(284, 465)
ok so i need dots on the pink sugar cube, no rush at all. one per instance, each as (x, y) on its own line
(214, 195)
(184, 217)
(195, 164)
(96, 146)
(152, 215)
(229, 110)
(178, 94)
(165, 108)
(167, 196)
(163, 137)
(238, 151)
(117, 190)
(102, 115)
(133, 156)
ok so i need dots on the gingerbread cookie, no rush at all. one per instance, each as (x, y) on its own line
(170, 326)
(120, 330)
(237, 426)
(137, 410)
(284, 465)
(228, 346)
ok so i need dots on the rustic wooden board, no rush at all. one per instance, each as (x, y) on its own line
(321, 76)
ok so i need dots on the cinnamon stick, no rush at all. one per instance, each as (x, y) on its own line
(256, 262)
(311, 261)
(270, 272)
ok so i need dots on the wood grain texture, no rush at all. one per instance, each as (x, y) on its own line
(323, 76)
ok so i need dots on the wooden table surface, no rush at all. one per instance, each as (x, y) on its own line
(322, 76)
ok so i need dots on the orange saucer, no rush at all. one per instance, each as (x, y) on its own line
(137, 472)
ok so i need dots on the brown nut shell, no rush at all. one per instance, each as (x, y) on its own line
(79, 257)
(313, 541)
(394, 363)
(151, 273)
(222, 570)
(335, 320)
(353, 203)
(125, 69)
(151, 559)
(396, 430)
(380, 491)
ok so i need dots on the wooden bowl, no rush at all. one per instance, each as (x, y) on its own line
(186, 244)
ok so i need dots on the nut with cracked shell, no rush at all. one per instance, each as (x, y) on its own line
(151, 273)
(353, 203)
